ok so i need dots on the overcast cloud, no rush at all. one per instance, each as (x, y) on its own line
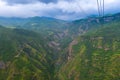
(61, 9)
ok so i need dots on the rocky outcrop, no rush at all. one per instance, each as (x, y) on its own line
(2, 65)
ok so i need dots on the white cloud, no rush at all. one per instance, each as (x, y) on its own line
(63, 9)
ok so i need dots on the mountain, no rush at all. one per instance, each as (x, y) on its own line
(42, 48)
(17, 22)
(24, 55)
(59, 30)
(83, 25)
(12, 22)
(43, 25)
(94, 56)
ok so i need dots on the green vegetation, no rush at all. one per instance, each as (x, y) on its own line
(95, 57)
(50, 49)
(24, 56)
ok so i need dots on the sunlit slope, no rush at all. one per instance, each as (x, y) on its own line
(95, 57)
(24, 55)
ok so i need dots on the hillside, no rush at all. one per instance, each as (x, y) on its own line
(42, 48)
(96, 56)
(24, 55)
(58, 30)
(83, 25)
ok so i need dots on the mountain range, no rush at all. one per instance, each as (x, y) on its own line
(42, 48)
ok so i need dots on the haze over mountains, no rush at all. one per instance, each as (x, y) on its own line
(42, 48)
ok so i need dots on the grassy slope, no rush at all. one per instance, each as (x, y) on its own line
(29, 46)
(95, 57)
(24, 55)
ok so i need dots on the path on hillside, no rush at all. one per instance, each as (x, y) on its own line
(70, 50)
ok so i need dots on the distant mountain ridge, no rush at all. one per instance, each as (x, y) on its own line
(5, 21)
(14, 21)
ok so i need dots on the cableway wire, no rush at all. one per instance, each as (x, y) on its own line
(103, 8)
(100, 5)
(101, 12)
(82, 10)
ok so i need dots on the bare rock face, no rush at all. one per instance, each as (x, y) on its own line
(2, 65)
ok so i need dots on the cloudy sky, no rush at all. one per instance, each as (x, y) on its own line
(60, 9)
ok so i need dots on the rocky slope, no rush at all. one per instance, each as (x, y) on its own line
(95, 57)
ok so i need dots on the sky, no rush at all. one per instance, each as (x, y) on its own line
(60, 9)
